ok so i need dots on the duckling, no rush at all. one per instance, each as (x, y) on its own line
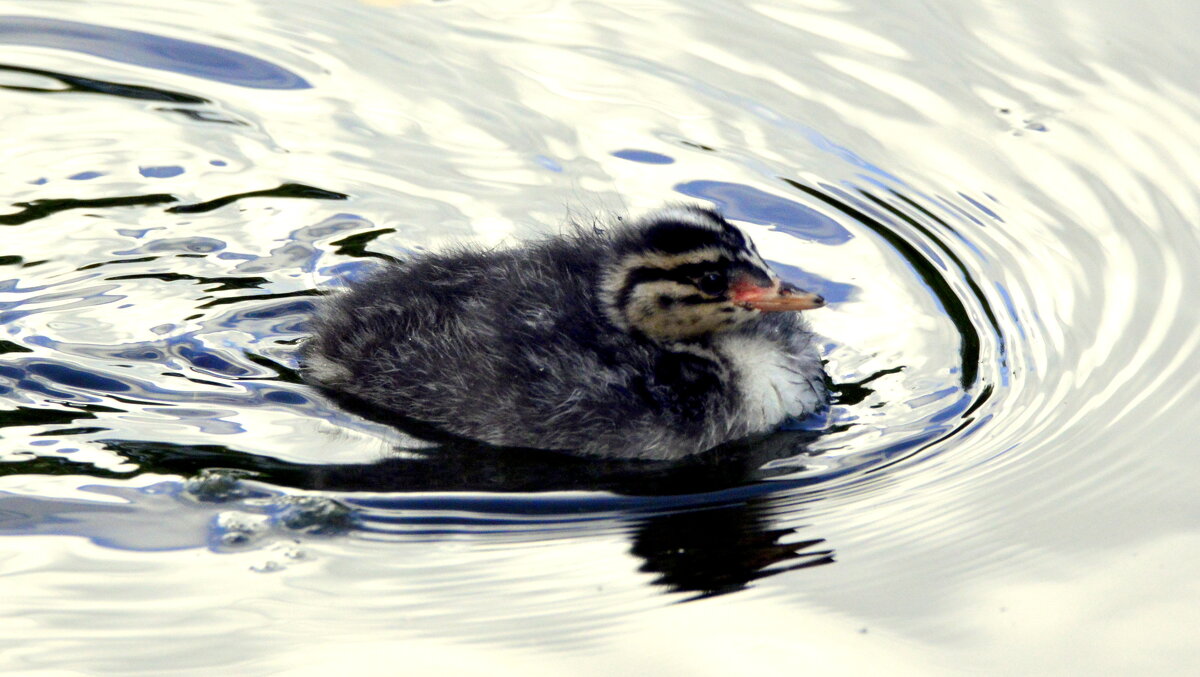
(655, 339)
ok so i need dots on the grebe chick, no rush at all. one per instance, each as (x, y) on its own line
(655, 339)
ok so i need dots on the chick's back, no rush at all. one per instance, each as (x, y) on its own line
(455, 338)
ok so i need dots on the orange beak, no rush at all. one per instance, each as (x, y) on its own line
(782, 296)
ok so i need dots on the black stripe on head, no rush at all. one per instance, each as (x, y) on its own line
(682, 274)
(736, 238)
(685, 273)
(647, 274)
(697, 299)
(673, 237)
(732, 234)
(680, 230)
(758, 275)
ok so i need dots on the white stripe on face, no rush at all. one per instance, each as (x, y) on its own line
(669, 261)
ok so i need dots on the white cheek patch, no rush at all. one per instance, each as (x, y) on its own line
(669, 261)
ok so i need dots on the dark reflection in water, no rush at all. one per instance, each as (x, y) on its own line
(189, 105)
(704, 526)
(693, 542)
(38, 209)
(687, 521)
(717, 550)
(291, 190)
(75, 83)
(681, 522)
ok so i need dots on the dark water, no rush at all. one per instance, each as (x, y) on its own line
(999, 203)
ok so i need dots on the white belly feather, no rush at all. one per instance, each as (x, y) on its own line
(773, 384)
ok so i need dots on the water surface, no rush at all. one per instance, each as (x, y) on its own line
(997, 201)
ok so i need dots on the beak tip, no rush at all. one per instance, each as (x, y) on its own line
(788, 300)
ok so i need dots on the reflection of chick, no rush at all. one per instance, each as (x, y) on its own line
(656, 339)
(721, 549)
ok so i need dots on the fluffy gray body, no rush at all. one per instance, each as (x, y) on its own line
(529, 347)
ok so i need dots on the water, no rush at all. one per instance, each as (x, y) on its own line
(997, 201)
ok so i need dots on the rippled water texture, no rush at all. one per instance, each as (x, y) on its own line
(998, 201)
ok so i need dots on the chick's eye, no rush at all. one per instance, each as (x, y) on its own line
(713, 283)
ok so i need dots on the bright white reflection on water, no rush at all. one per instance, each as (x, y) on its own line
(998, 201)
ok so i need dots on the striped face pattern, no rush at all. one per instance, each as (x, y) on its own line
(683, 273)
